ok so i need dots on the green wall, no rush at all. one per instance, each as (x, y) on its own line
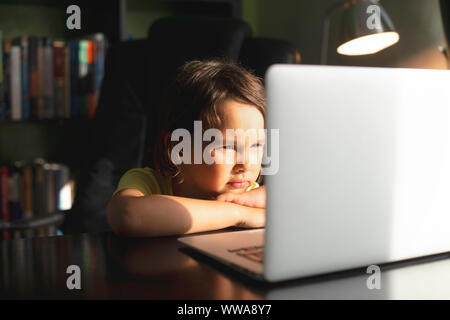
(298, 21)
(28, 19)
(141, 14)
(418, 22)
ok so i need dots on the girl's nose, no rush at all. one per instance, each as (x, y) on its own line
(242, 161)
(238, 168)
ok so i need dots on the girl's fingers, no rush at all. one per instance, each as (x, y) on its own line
(231, 197)
(226, 197)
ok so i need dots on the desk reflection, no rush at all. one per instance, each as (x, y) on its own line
(173, 275)
(162, 268)
(422, 278)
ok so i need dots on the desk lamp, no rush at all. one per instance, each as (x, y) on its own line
(366, 29)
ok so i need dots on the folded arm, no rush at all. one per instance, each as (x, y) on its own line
(130, 213)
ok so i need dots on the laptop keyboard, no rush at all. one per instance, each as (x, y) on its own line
(255, 253)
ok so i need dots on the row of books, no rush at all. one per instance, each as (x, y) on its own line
(34, 190)
(44, 78)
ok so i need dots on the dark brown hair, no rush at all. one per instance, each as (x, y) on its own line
(195, 92)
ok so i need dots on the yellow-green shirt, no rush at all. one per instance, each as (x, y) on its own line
(149, 181)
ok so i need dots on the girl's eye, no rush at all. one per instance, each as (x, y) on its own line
(230, 147)
(256, 145)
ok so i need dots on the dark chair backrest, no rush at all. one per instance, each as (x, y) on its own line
(135, 75)
(258, 54)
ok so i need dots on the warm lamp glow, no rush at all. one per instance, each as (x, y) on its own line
(368, 44)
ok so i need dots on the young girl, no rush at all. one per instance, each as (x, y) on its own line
(178, 198)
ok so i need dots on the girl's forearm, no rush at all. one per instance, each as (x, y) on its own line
(159, 215)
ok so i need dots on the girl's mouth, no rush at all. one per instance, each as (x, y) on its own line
(238, 184)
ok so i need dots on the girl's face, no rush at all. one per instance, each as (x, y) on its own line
(238, 160)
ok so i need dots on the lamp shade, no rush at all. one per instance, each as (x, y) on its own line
(366, 29)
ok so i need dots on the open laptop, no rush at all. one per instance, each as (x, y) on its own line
(363, 177)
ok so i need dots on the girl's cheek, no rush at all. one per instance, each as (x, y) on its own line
(255, 156)
(225, 157)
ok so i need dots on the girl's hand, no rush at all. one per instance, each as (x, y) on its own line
(251, 217)
(255, 198)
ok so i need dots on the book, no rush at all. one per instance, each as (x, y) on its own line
(49, 104)
(83, 75)
(66, 82)
(22, 42)
(74, 83)
(16, 83)
(100, 61)
(4, 202)
(27, 194)
(40, 199)
(6, 110)
(32, 191)
(50, 196)
(59, 69)
(33, 76)
(14, 195)
(58, 79)
(91, 85)
(41, 78)
(96, 57)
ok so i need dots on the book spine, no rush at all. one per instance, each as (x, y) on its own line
(58, 72)
(41, 78)
(101, 50)
(82, 75)
(33, 76)
(27, 196)
(26, 112)
(49, 105)
(91, 79)
(27, 190)
(16, 85)
(49, 197)
(15, 196)
(74, 83)
(6, 110)
(4, 206)
(53, 201)
(39, 187)
(66, 82)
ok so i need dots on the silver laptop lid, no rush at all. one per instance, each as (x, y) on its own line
(364, 167)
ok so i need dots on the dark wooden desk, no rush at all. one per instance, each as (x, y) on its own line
(162, 268)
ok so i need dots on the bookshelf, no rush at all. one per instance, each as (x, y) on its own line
(57, 138)
(65, 140)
